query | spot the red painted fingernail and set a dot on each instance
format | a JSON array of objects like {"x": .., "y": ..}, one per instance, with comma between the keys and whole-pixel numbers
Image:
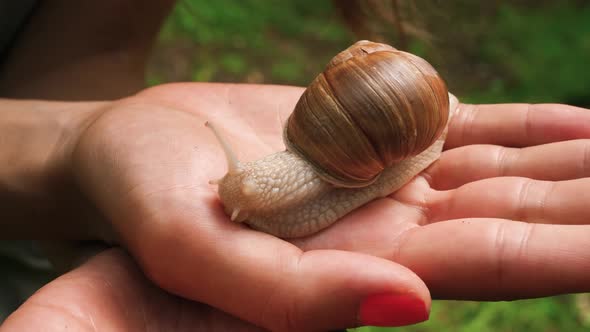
[{"x": 392, "y": 310}]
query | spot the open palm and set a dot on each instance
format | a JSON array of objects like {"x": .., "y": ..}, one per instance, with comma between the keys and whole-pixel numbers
[{"x": 146, "y": 162}]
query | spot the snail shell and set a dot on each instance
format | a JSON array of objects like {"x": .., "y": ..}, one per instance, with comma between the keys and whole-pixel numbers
[
  {"x": 373, "y": 106},
  {"x": 363, "y": 128}
]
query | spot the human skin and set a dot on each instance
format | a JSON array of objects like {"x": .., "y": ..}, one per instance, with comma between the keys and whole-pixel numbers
[
  {"x": 145, "y": 162},
  {"x": 473, "y": 197},
  {"x": 134, "y": 170},
  {"x": 109, "y": 293}
]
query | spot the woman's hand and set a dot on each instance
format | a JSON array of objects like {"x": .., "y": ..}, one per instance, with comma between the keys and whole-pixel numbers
[
  {"x": 504, "y": 214},
  {"x": 145, "y": 162}
]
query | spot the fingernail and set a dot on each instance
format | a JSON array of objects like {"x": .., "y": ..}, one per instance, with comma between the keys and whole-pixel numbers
[{"x": 392, "y": 310}]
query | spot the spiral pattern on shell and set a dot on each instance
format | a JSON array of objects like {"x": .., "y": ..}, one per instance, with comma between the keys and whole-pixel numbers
[{"x": 350, "y": 132}]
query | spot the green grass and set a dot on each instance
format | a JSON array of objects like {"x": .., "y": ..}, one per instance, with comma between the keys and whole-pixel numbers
[
  {"x": 531, "y": 53},
  {"x": 539, "y": 315},
  {"x": 544, "y": 55},
  {"x": 249, "y": 41}
]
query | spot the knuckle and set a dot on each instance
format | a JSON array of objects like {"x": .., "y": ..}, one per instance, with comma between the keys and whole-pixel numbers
[
  {"x": 585, "y": 168},
  {"x": 505, "y": 160},
  {"x": 510, "y": 247},
  {"x": 500, "y": 252},
  {"x": 281, "y": 309}
]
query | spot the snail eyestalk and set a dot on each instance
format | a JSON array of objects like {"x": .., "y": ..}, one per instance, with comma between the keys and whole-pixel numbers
[
  {"x": 230, "y": 156},
  {"x": 235, "y": 214}
]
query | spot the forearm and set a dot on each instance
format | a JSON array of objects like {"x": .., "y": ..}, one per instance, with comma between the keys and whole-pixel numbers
[
  {"x": 37, "y": 195},
  {"x": 82, "y": 50}
]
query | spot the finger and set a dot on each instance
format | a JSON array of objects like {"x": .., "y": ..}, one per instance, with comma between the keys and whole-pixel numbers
[
  {"x": 272, "y": 283},
  {"x": 564, "y": 202},
  {"x": 552, "y": 162},
  {"x": 477, "y": 259},
  {"x": 109, "y": 293},
  {"x": 517, "y": 125},
  {"x": 494, "y": 259}
]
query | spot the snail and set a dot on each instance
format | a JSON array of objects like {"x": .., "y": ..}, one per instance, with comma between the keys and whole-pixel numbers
[{"x": 371, "y": 121}]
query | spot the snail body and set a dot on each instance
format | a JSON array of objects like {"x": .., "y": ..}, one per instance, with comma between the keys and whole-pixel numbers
[{"x": 367, "y": 125}]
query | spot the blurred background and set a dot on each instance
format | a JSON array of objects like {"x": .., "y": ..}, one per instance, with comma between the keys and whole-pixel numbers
[{"x": 487, "y": 51}]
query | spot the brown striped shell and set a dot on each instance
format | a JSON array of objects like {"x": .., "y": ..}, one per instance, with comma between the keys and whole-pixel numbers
[{"x": 350, "y": 132}]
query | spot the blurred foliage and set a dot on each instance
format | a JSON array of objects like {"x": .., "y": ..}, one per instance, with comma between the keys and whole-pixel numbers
[
  {"x": 542, "y": 315},
  {"x": 526, "y": 51},
  {"x": 543, "y": 53},
  {"x": 247, "y": 41}
]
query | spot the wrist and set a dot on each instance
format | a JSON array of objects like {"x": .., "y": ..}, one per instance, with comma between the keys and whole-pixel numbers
[
  {"x": 39, "y": 197},
  {"x": 36, "y": 138}
]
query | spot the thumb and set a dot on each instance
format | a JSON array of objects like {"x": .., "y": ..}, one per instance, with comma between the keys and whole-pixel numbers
[
  {"x": 336, "y": 289},
  {"x": 273, "y": 284}
]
